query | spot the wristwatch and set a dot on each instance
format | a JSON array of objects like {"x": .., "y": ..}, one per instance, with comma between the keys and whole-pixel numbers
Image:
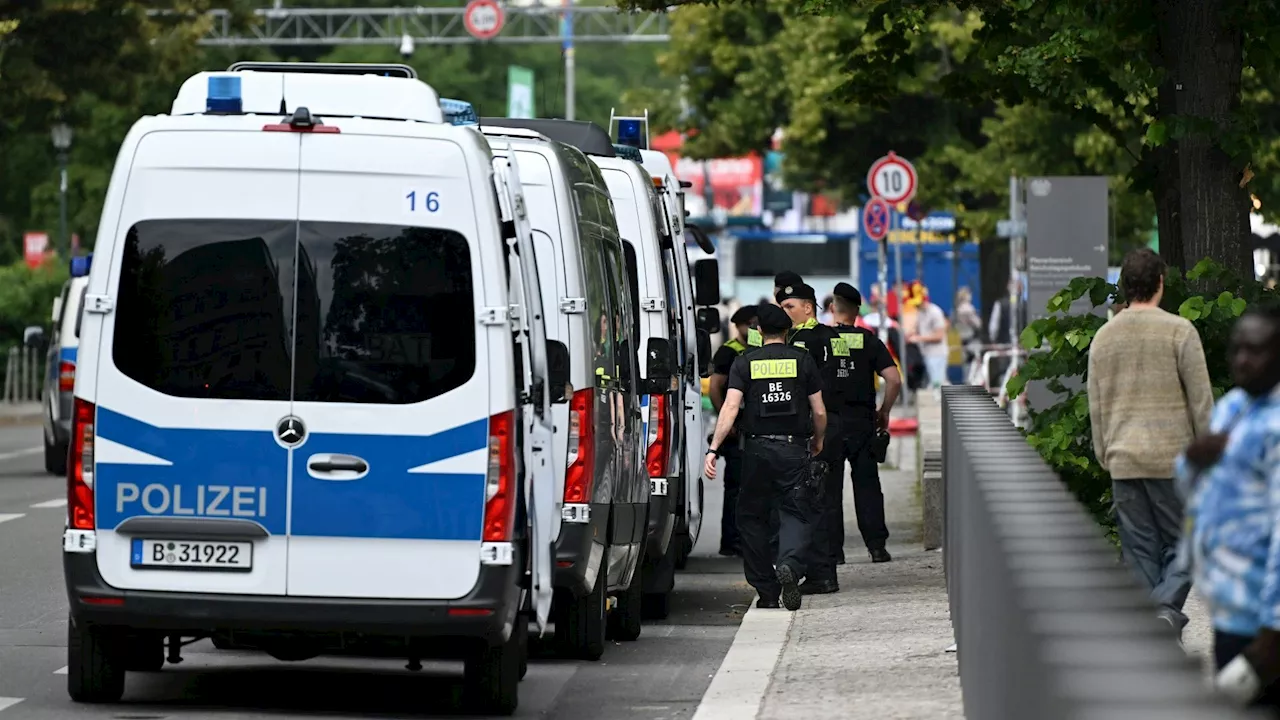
[{"x": 713, "y": 451}]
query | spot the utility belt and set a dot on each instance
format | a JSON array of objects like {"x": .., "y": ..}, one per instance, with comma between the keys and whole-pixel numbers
[{"x": 791, "y": 439}]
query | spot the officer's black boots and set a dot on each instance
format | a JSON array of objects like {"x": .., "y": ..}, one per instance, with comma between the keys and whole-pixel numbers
[
  {"x": 790, "y": 587},
  {"x": 769, "y": 604},
  {"x": 880, "y": 555}
]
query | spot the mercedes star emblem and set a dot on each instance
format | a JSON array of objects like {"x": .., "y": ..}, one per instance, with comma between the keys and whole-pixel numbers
[{"x": 291, "y": 431}]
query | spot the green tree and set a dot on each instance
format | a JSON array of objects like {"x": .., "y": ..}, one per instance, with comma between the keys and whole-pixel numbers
[{"x": 1162, "y": 78}]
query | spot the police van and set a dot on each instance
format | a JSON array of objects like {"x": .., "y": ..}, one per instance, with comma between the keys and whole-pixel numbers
[
  {"x": 652, "y": 272},
  {"x": 311, "y": 411},
  {"x": 60, "y": 364},
  {"x": 600, "y": 429}
]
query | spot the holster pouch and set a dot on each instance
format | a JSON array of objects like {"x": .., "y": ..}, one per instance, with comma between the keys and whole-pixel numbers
[
  {"x": 815, "y": 482},
  {"x": 880, "y": 446}
]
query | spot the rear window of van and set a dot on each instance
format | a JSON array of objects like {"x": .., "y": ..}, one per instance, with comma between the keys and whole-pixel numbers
[{"x": 313, "y": 311}]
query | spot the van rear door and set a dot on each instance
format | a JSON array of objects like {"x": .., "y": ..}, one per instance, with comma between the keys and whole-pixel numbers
[
  {"x": 189, "y": 327},
  {"x": 393, "y": 371}
]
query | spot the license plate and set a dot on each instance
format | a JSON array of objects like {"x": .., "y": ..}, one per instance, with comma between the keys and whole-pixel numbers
[{"x": 191, "y": 555}]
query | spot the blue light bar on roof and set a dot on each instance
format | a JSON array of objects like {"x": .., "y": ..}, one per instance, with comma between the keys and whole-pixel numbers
[
  {"x": 80, "y": 265},
  {"x": 628, "y": 152},
  {"x": 631, "y": 132},
  {"x": 224, "y": 95},
  {"x": 459, "y": 112}
]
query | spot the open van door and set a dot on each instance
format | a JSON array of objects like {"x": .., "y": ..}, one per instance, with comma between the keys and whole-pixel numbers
[{"x": 540, "y": 493}]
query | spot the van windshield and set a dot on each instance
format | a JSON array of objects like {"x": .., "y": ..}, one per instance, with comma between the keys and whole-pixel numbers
[{"x": 378, "y": 313}]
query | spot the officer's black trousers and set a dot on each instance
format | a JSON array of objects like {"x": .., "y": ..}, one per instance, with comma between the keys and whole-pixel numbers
[
  {"x": 773, "y": 506},
  {"x": 848, "y": 438},
  {"x": 730, "y": 540}
]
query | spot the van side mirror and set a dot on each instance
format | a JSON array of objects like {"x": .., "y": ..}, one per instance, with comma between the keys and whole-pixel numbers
[
  {"x": 33, "y": 337},
  {"x": 660, "y": 365},
  {"x": 700, "y": 237},
  {"x": 704, "y": 353},
  {"x": 706, "y": 276},
  {"x": 557, "y": 371},
  {"x": 708, "y": 318}
]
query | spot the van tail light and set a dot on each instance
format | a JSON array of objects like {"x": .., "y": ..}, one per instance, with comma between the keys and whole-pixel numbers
[
  {"x": 580, "y": 475},
  {"x": 80, "y": 469},
  {"x": 66, "y": 376},
  {"x": 500, "y": 483},
  {"x": 659, "y": 437}
]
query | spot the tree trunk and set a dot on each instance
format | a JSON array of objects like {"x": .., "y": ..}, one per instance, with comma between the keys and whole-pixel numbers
[
  {"x": 1166, "y": 190},
  {"x": 1204, "y": 56}
]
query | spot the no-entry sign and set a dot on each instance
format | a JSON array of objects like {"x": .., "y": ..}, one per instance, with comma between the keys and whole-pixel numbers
[{"x": 484, "y": 19}]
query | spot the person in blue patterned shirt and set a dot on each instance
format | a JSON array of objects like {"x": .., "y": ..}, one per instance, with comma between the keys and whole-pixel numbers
[{"x": 1231, "y": 478}]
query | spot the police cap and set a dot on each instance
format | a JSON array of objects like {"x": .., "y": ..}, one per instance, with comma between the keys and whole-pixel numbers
[
  {"x": 799, "y": 291},
  {"x": 850, "y": 293},
  {"x": 773, "y": 320},
  {"x": 745, "y": 315},
  {"x": 787, "y": 277}
]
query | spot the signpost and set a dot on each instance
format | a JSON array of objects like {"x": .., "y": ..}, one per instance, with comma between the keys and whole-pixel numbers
[
  {"x": 483, "y": 19},
  {"x": 519, "y": 92},
  {"x": 34, "y": 246},
  {"x": 877, "y": 217},
  {"x": 892, "y": 178}
]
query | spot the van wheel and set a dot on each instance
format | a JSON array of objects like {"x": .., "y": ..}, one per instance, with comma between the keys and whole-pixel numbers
[
  {"x": 681, "y": 553},
  {"x": 55, "y": 458},
  {"x": 144, "y": 653},
  {"x": 580, "y": 621},
  {"x": 95, "y": 664},
  {"x": 492, "y": 674},
  {"x": 624, "y": 620}
]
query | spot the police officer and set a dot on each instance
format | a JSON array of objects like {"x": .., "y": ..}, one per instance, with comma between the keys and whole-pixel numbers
[
  {"x": 784, "y": 279},
  {"x": 858, "y": 359},
  {"x": 744, "y": 322},
  {"x": 777, "y": 392}
]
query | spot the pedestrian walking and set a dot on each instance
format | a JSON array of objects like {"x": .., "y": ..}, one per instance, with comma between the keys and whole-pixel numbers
[
  {"x": 1149, "y": 395},
  {"x": 858, "y": 356},
  {"x": 744, "y": 322},
  {"x": 931, "y": 337},
  {"x": 1231, "y": 477},
  {"x": 969, "y": 326},
  {"x": 777, "y": 393}
]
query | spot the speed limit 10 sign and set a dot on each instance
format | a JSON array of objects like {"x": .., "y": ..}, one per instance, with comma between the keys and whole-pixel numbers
[{"x": 892, "y": 178}]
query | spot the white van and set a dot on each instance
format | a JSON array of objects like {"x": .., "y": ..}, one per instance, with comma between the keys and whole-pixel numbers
[
  {"x": 300, "y": 419},
  {"x": 601, "y": 431}
]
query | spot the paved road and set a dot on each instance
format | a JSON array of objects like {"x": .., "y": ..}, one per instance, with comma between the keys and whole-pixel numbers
[{"x": 662, "y": 676}]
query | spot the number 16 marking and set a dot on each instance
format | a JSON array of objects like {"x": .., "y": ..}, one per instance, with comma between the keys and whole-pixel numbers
[{"x": 430, "y": 201}]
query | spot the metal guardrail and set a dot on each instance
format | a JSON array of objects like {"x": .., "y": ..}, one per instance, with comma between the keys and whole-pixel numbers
[
  {"x": 1049, "y": 626},
  {"x": 23, "y": 375}
]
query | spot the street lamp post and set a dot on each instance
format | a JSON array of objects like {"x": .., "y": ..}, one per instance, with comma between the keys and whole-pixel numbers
[{"x": 62, "y": 135}]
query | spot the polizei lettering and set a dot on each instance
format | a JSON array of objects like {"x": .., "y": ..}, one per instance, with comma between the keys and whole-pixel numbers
[{"x": 200, "y": 501}]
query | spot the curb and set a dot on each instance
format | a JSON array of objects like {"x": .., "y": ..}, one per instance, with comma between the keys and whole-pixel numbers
[
  {"x": 737, "y": 691},
  {"x": 25, "y": 418}
]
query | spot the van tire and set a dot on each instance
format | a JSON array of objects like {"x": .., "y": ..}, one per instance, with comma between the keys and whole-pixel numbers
[
  {"x": 95, "y": 664},
  {"x": 581, "y": 621},
  {"x": 144, "y": 653},
  {"x": 55, "y": 458},
  {"x": 624, "y": 620},
  {"x": 492, "y": 674}
]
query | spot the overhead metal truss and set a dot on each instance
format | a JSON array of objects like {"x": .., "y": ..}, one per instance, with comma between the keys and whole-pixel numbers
[{"x": 431, "y": 26}]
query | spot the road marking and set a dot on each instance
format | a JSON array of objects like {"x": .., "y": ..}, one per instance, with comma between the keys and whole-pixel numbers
[
  {"x": 8, "y": 702},
  {"x": 738, "y": 688},
  {"x": 20, "y": 453},
  {"x": 6, "y": 517},
  {"x": 55, "y": 503},
  {"x": 61, "y": 671}
]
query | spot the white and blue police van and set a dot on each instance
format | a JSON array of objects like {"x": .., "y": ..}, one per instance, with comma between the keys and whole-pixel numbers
[
  {"x": 600, "y": 427},
  {"x": 60, "y": 364},
  {"x": 311, "y": 408}
]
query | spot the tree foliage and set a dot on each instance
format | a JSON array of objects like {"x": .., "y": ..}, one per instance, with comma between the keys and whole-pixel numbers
[{"x": 1182, "y": 123}]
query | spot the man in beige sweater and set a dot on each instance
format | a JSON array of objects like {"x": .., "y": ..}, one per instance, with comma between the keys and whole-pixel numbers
[{"x": 1149, "y": 395}]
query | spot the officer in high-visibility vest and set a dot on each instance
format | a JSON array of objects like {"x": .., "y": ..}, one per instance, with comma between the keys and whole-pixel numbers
[
  {"x": 859, "y": 358},
  {"x": 776, "y": 391},
  {"x": 746, "y": 335}
]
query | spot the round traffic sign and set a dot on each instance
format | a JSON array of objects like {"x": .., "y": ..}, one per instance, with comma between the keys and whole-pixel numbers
[
  {"x": 892, "y": 178},
  {"x": 876, "y": 218},
  {"x": 483, "y": 18}
]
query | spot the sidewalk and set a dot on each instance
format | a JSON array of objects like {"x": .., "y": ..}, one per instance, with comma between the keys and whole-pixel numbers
[
  {"x": 20, "y": 414},
  {"x": 876, "y": 649}
]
